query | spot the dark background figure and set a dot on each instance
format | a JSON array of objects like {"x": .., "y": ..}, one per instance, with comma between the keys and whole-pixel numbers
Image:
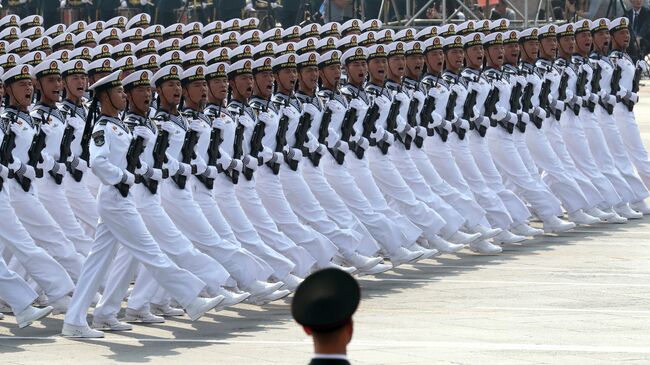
[
  {"x": 501, "y": 10},
  {"x": 106, "y": 8},
  {"x": 229, "y": 9},
  {"x": 639, "y": 17}
]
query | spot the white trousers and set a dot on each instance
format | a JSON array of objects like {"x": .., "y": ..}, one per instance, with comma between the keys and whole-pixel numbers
[
  {"x": 631, "y": 136},
  {"x": 120, "y": 223},
  {"x": 507, "y": 159},
  {"x": 14, "y": 290},
  {"x": 335, "y": 208},
  {"x": 82, "y": 202},
  {"x": 269, "y": 189}
]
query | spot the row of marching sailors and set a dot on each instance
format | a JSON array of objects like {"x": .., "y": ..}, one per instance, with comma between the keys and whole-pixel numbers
[{"x": 405, "y": 168}]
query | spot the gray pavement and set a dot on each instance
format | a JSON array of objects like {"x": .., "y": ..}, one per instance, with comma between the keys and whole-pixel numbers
[{"x": 579, "y": 298}]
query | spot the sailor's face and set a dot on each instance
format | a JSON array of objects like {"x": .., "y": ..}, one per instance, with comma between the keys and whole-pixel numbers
[
  {"x": 264, "y": 81},
  {"x": 415, "y": 65},
  {"x": 602, "y": 40},
  {"x": 357, "y": 71},
  {"x": 377, "y": 68},
  {"x": 287, "y": 78},
  {"x": 495, "y": 54},
  {"x": 454, "y": 58},
  {"x": 332, "y": 74},
  {"x": 583, "y": 42},
  {"x": 171, "y": 91},
  {"x": 548, "y": 47},
  {"x": 243, "y": 84},
  {"x": 118, "y": 97},
  {"x": 76, "y": 84},
  {"x": 22, "y": 92},
  {"x": 2, "y": 90},
  {"x": 197, "y": 91},
  {"x": 531, "y": 48},
  {"x": 140, "y": 97},
  {"x": 435, "y": 60},
  {"x": 397, "y": 65},
  {"x": 50, "y": 87},
  {"x": 218, "y": 87},
  {"x": 622, "y": 38},
  {"x": 474, "y": 56},
  {"x": 511, "y": 53},
  {"x": 309, "y": 77},
  {"x": 568, "y": 45}
]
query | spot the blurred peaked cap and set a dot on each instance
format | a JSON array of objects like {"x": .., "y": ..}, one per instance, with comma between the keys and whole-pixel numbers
[
  {"x": 414, "y": 48},
  {"x": 54, "y": 30},
  {"x": 141, "y": 20},
  {"x": 334, "y": 57},
  {"x": 352, "y": 25},
  {"x": 240, "y": 67},
  {"x": 10, "y": 34},
  {"x": 150, "y": 46},
  {"x": 405, "y": 35},
  {"x": 447, "y": 30},
  {"x": 291, "y": 33},
  {"x": 230, "y": 39},
  {"x": 466, "y": 27},
  {"x": 499, "y": 25},
  {"x": 310, "y": 30},
  {"x": 331, "y": 29},
  {"x": 583, "y": 25},
  {"x": 116, "y": 22},
  {"x": 309, "y": 59},
  {"x": 220, "y": 54},
  {"x": 433, "y": 43},
  {"x": 32, "y": 33},
  {"x": 173, "y": 31},
  {"x": 493, "y": 39},
  {"x": 510, "y": 36},
  {"x": 232, "y": 24},
  {"x": 30, "y": 21},
  {"x": 565, "y": 30},
  {"x": 19, "y": 45},
  {"x": 285, "y": 48},
  {"x": 43, "y": 43},
  {"x": 8, "y": 61},
  {"x": 366, "y": 39},
  {"x": 166, "y": 73},
  {"x": 194, "y": 58},
  {"x": 152, "y": 31},
  {"x": 452, "y": 42},
  {"x": 306, "y": 45},
  {"x": 546, "y": 31},
  {"x": 474, "y": 39},
  {"x": 149, "y": 62},
  {"x": 9, "y": 20},
  {"x": 102, "y": 51},
  {"x": 101, "y": 65},
  {"x": 371, "y": 25},
  {"x": 76, "y": 27},
  {"x": 211, "y": 41},
  {"x": 618, "y": 24},
  {"x": 32, "y": 58},
  {"x": 126, "y": 63},
  {"x": 84, "y": 38},
  {"x": 47, "y": 68},
  {"x": 216, "y": 70},
  {"x": 190, "y": 43},
  {"x": 123, "y": 49},
  {"x": 326, "y": 44},
  {"x": 168, "y": 45},
  {"x": 355, "y": 54},
  {"x": 250, "y": 37},
  {"x": 17, "y": 73},
  {"x": 171, "y": 58},
  {"x": 395, "y": 49},
  {"x": 109, "y": 35},
  {"x": 133, "y": 35},
  {"x": 375, "y": 51},
  {"x": 193, "y": 28},
  {"x": 96, "y": 26},
  {"x": 326, "y": 300},
  {"x": 107, "y": 82},
  {"x": 264, "y": 49},
  {"x": 272, "y": 35},
  {"x": 427, "y": 33},
  {"x": 214, "y": 27},
  {"x": 528, "y": 34},
  {"x": 347, "y": 42},
  {"x": 62, "y": 55},
  {"x": 74, "y": 67},
  {"x": 284, "y": 61},
  {"x": 248, "y": 24},
  {"x": 599, "y": 24},
  {"x": 482, "y": 25},
  {"x": 384, "y": 36},
  {"x": 240, "y": 53},
  {"x": 194, "y": 73}
]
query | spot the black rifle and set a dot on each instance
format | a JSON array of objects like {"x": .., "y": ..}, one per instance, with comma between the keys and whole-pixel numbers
[
  {"x": 187, "y": 154},
  {"x": 543, "y": 97},
  {"x": 468, "y": 107},
  {"x": 280, "y": 141},
  {"x": 132, "y": 162},
  {"x": 426, "y": 114},
  {"x": 449, "y": 115},
  {"x": 159, "y": 157},
  {"x": 256, "y": 146},
  {"x": 412, "y": 121},
  {"x": 581, "y": 89},
  {"x": 347, "y": 129},
  {"x": 238, "y": 150},
  {"x": 615, "y": 87},
  {"x": 368, "y": 127},
  {"x": 64, "y": 152},
  {"x": 85, "y": 145},
  {"x": 213, "y": 156},
  {"x": 564, "y": 83},
  {"x": 516, "y": 105},
  {"x": 391, "y": 124},
  {"x": 323, "y": 132},
  {"x": 637, "y": 80},
  {"x": 34, "y": 154},
  {"x": 6, "y": 149},
  {"x": 527, "y": 105},
  {"x": 490, "y": 107},
  {"x": 595, "y": 85},
  {"x": 301, "y": 137}
]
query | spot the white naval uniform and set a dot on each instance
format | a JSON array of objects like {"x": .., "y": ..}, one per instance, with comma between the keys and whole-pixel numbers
[
  {"x": 82, "y": 201},
  {"x": 35, "y": 261},
  {"x": 29, "y": 209},
  {"x": 120, "y": 223},
  {"x": 271, "y": 189},
  {"x": 225, "y": 197},
  {"x": 385, "y": 231},
  {"x": 506, "y": 157},
  {"x": 51, "y": 194},
  {"x": 621, "y": 159},
  {"x": 171, "y": 241},
  {"x": 14, "y": 290},
  {"x": 626, "y": 120},
  {"x": 189, "y": 214},
  {"x": 556, "y": 177}
]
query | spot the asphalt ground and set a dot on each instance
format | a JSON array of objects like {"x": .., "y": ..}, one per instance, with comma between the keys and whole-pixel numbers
[{"x": 580, "y": 298}]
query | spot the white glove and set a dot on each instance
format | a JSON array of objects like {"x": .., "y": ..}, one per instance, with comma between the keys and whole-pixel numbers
[
  {"x": 184, "y": 169},
  {"x": 401, "y": 125},
  {"x": 410, "y": 131},
  {"x": 421, "y": 131},
  {"x": 142, "y": 169},
  {"x": 540, "y": 113},
  {"x": 401, "y": 97},
  {"x": 14, "y": 165},
  {"x": 499, "y": 113},
  {"x": 388, "y": 138},
  {"x": 200, "y": 165},
  {"x": 210, "y": 172},
  {"x": 265, "y": 117},
  {"x": 59, "y": 168},
  {"x": 197, "y": 125},
  {"x": 310, "y": 109},
  {"x": 14, "y": 127},
  {"x": 154, "y": 174},
  {"x": 144, "y": 132},
  {"x": 434, "y": 91},
  {"x": 476, "y": 113},
  {"x": 26, "y": 171},
  {"x": 293, "y": 153},
  {"x": 250, "y": 162},
  {"x": 511, "y": 118},
  {"x": 127, "y": 178},
  {"x": 172, "y": 166},
  {"x": 569, "y": 95},
  {"x": 484, "y": 121},
  {"x": 47, "y": 128},
  {"x": 643, "y": 65},
  {"x": 631, "y": 96},
  {"x": 593, "y": 98},
  {"x": 525, "y": 118},
  {"x": 266, "y": 154},
  {"x": 607, "y": 98},
  {"x": 342, "y": 146},
  {"x": 277, "y": 157},
  {"x": 78, "y": 164},
  {"x": 378, "y": 134},
  {"x": 312, "y": 145},
  {"x": 462, "y": 123},
  {"x": 357, "y": 104},
  {"x": 76, "y": 123},
  {"x": 436, "y": 120},
  {"x": 332, "y": 137},
  {"x": 48, "y": 162},
  {"x": 363, "y": 143},
  {"x": 224, "y": 159},
  {"x": 169, "y": 126}
]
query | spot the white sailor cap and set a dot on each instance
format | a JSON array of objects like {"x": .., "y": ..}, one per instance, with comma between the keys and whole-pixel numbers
[
  {"x": 248, "y": 24},
  {"x": 240, "y": 53},
  {"x": 19, "y": 46},
  {"x": 263, "y": 50},
  {"x": 210, "y": 42},
  {"x": 230, "y": 39},
  {"x": 285, "y": 48},
  {"x": 32, "y": 58},
  {"x": 452, "y": 42},
  {"x": 103, "y": 65},
  {"x": 264, "y": 64},
  {"x": 499, "y": 25},
  {"x": 173, "y": 31},
  {"x": 63, "y": 40},
  {"x": 333, "y": 58},
  {"x": 309, "y": 59},
  {"x": 125, "y": 64},
  {"x": 583, "y": 25},
  {"x": 17, "y": 73},
  {"x": 326, "y": 44},
  {"x": 474, "y": 39},
  {"x": 371, "y": 25},
  {"x": 214, "y": 27},
  {"x": 231, "y": 25},
  {"x": 251, "y": 37},
  {"x": 433, "y": 43},
  {"x": 192, "y": 43},
  {"x": 240, "y": 67},
  {"x": 565, "y": 30},
  {"x": 197, "y": 57},
  {"x": 599, "y": 24},
  {"x": 62, "y": 55},
  {"x": 147, "y": 47},
  {"x": 546, "y": 31},
  {"x": 153, "y": 32},
  {"x": 116, "y": 22},
  {"x": 10, "y": 34},
  {"x": 166, "y": 73},
  {"x": 405, "y": 35},
  {"x": 285, "y": 61},
  {"x": 618, "y": 24},
  {"x": 141, "y": 20},
  {"x": 374, "y": 51},
  {"x": 76, "y": 67},
  {"x": 41, "y": 44},
  {"x": 413, "y": 48},
  {"x": 148, "y": 62},
  {"x": 493, "y": 39},
  {"x": 352, "y": 26},
  {"x": 331, "y": 29},
  {"x": 83, "y": 53},
  {"x": 482, "y": 26},
  {"x": 366, "y": 39},
  {"x": 109, "y": 35},
  {"x": 171, "y": 58},
  {"x": 510, "y": 36},
  {"x": 466, "y": 27},
  {"x": 3, "y": 47},
  {"x": 32, "y": 33},
  {"x": 447, "y": 30},
  {"x": 216, "y": 70},
  {"x": 427, "y": 33},
  {"x": 54, "y": 30},
  {"x": 347, "y": 42},
  {"x": 395, "y": 49},
  {"x": 354, "y": 54},
  {"x": 306, "y": 45},
  {"x": 9, "y": 60},
  {"x": 168, "y": 45},
  {"x": 133, "y": 35},
  {"x": 194, "y": 73},
  {"x": 76, "y": 27},
  {"x": 137, "y": 79},
  {"x": 107, "y": 82},
  {"x": 291, "y": 33},
  {"x": 310, "y": 30},
  {"x": 528, "y": 34},
  {"x": 9, "y": 20},
  {"x": 47, "y": 68},
  {"x": 102, "y": 51},
  {"x": 122, "y": 50},
  {"x": 96, "y": 26},
  {"x": 30, "y": 22},
  {"x": 384, "y": 36},
  {"x": 220, "y": 54},
  {"x": 193, "y": 28},
  {"x": 85, "y": 38},
  {"x": 272, "y": 35}
]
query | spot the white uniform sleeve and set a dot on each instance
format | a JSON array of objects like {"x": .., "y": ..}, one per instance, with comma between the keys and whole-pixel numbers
[{"x": 100, "y": 149}]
